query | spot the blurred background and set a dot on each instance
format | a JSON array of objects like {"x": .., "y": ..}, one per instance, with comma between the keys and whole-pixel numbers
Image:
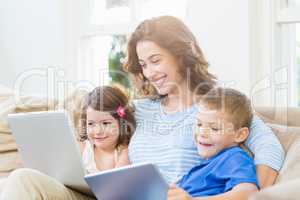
[{"x": 51, "y": 47}]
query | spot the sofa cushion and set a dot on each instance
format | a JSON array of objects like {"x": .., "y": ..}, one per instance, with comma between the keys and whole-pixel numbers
[
  {"x": 290, "y": 140},
  {"x": 7, "y": 143},
  {"x": 9, "y": 157},
  {"x": 286, "y": 135},
  {"x": 288, "y": 116},
  {"x": 281, "y": 191},
  {"x": 9, "y": 161}
]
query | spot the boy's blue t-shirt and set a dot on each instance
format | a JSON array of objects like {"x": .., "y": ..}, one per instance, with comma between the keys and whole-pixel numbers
[{"x": 220, "y": 173}]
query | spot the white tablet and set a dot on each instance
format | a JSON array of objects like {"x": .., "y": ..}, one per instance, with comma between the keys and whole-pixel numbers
[{"x": 135, "y": 182}]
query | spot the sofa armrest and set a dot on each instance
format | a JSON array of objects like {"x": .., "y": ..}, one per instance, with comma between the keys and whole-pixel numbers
[
  {"x": 288, "y": 190},
  {"x": 287, "y": 116}
]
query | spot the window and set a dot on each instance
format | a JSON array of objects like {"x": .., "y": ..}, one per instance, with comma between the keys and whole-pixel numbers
[
  {"x": 151, "y": 8},
  {"x": 109, "y": 12},
  {"x": 293, "y": 3},
  {"x": 274, "y": 53},
  {"x": 289, "y": 19},
  {"x": 103, "y": 27}
]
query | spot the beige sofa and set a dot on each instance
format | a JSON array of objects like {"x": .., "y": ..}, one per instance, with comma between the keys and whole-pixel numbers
[
  {"x": 284, "y": 122},
  {"x": 9, "y": 157}
]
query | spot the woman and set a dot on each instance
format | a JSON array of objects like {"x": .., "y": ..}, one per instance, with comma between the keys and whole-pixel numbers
[{"x": 162, "y": 52}]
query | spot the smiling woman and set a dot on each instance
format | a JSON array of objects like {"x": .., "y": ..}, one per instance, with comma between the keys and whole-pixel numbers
[
  {"x": 158, "y": 67},
  {"x": 163, "y": 53},
  {"x": 177, "y": 48}
]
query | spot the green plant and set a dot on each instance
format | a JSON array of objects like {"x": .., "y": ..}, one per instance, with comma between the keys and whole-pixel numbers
[{"x": 116, "y": 57}]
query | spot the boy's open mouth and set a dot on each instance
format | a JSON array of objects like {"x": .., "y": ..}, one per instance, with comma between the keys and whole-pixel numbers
[{"x": 205, "y": 144}]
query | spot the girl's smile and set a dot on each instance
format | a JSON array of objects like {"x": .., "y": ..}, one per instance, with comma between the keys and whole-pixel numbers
[{"x": 102, "y": 129}]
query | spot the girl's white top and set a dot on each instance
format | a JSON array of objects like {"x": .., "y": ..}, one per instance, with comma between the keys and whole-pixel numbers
[{"x": 88, "y": 158}]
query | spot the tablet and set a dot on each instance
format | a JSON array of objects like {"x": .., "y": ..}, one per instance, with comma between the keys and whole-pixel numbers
[{"x": 134, "y": 182}]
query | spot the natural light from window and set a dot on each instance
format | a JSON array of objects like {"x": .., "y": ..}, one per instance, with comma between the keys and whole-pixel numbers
[
  {"x": 106, "y": 22},
  {"x": 152, "y": 8},
  {"x": 109, "y": 12},
  {"x": 293, "y": 3},
  {"x": 95, "y": 56}
]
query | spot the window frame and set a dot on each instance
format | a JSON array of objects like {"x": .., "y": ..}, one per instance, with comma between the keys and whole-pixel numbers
[
  {"x": 79, "y": 30},
  {"x": 272, "y": 61},
  {"x": 288, "y": 16}
]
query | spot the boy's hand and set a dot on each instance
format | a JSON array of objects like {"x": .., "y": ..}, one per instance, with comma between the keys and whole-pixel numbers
[{"x": 176, "y": 193}]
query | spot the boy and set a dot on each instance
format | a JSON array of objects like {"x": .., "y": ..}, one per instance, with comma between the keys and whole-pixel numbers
[{"x": 227, "y": 172}]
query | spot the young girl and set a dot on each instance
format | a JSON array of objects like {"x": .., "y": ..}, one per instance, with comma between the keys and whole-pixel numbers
[{"x": 107, "y": 123}]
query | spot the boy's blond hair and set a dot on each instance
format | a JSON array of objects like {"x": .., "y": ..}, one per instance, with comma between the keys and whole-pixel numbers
[{"x": 234, "y": 104}]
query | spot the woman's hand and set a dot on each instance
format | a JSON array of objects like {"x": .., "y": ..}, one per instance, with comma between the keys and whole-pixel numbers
[{"x": 176, "y": 193}]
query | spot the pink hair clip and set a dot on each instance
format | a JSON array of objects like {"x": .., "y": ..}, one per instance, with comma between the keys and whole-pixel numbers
[{"x": 121, "y": 111}]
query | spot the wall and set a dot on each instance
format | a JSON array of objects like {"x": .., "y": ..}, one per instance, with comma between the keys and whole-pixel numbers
[
  {"x": 35, "y": 35},
  {"x": 222, "y": 29},
  {"x": 31, "y": 39}
]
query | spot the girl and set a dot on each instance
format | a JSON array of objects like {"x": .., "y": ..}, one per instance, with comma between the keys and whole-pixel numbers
[{"x": 107, "y": 123}]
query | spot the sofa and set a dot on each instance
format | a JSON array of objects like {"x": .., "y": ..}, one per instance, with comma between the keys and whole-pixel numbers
[
  {"x": 285, "y": 123},
  {"x": 9, "y": 156}
]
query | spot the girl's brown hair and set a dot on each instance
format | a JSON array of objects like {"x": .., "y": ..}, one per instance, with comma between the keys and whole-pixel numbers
[
  {"x": 108, "y": 99},
  {"x": 172, "y": 34}
]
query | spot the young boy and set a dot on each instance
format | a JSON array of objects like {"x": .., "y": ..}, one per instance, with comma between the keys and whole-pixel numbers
[{"x": 227, "y": 172}]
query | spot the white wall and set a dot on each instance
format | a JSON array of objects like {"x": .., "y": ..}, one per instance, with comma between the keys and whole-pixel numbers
[
  {"x": 31, "y": 37},
  {"x": 34, "y": 34},
  {"x": 222, "y": 29}
]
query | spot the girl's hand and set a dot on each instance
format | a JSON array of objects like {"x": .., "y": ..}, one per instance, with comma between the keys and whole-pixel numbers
[{"x": 176, "y": 193}]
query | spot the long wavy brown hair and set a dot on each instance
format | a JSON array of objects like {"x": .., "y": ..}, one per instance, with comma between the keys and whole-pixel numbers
[
  {"x": 173, "y": 35},
  {"x": 108, "y": 99}
]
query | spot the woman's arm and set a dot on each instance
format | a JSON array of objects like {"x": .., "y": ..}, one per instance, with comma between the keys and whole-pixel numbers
[
  {"x": 267, "y": 150},
  {"x": 266, "y": 176}
]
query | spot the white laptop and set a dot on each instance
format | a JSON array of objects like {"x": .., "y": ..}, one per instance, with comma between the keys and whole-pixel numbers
[{"x": 46, "y": 142}]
